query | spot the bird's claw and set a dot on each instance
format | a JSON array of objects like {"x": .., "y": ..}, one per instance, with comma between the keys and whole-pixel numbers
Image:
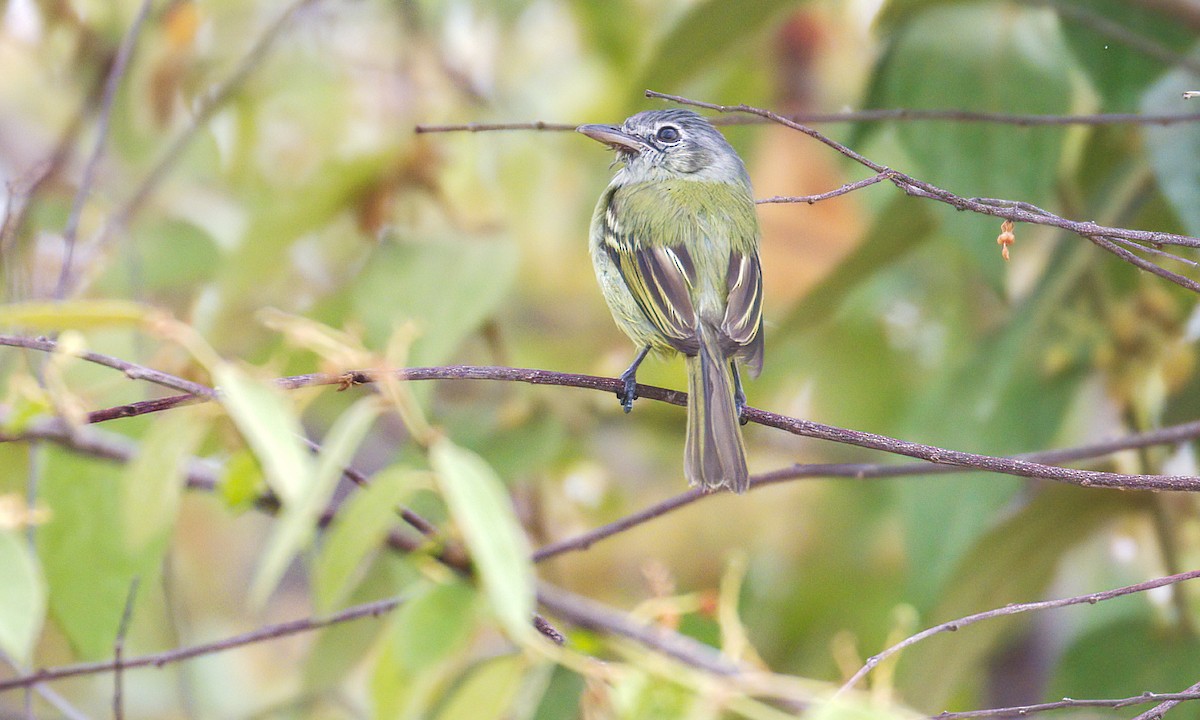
[{"x": 628, "y": 393}]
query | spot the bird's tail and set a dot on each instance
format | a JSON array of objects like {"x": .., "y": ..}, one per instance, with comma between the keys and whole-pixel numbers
[{"x": 714, "y": 455}]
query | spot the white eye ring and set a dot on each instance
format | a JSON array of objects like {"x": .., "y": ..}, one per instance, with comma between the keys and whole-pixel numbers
[{"x": 667, "y": 134}]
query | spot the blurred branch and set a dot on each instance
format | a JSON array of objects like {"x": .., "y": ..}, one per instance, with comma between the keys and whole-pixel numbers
[
  {"x": 119, "y": 651},
  {"x": 158, "y": 660},
  {"x": 854, "y": 116},
  {"x": 1184, "y": 11},
  {"x": 133, "y": 371},
  {"x": 206, "y": 108},
  {"x": 1120, "y": 34},
  {"x": 1015, "y": 211},
  {"x": 587, "y": 613},
  {"x": 1020, "y": 710},
  {"x": 955, "y": 625},
  {"x": 116, "y": 72}
]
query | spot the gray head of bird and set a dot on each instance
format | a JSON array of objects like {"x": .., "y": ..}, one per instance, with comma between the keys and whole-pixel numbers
[{"x": 663, "y": 144}]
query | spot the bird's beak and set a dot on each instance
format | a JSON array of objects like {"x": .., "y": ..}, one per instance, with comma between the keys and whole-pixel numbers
[{"x": 614, "y": 137}]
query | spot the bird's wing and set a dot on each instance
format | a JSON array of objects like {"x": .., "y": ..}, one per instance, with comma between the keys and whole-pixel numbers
[
  {"x": 742, "y": 324},
  {"x": 660, "y": 279}
]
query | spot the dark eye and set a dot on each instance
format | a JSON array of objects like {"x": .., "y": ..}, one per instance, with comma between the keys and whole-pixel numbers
[{"x": 667, "y": 134}]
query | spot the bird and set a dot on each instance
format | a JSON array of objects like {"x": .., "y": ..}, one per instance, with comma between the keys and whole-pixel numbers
[{"x": 674, "y": 242}]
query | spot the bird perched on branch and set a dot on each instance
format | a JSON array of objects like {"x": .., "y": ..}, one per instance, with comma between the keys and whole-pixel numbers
[{"x": 674, "y": 241}]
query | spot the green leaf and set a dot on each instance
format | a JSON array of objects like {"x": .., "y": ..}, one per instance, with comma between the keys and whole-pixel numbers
[
  {"x": 433, "y": 624},
  {"x": 412, "y": 277},
  {"x": 480, "y": 506},
  {"x": 340, "y": 648},
  {"x": 271, "y": 429},
  {"x": 1128, "y": 657},
  {"x": 360, "y": 526},
  {"x": 1013, "y": 562},
  {"x": 22, "y": 597},
  {"x": 989, "y": 57},
  {"x": 488, "y": 690},
  {"x": 82, "y": 550},
  {"x": 1174, "y": 149},
  {"x": 152, "y": 484},
  {"x": 705, "y": 36},
  {"x": 72, "y": 314},
  {"x": 1000, "y": 400},
  {"x": 297, "y": 521},
  {"x": 242, "y": 481}
]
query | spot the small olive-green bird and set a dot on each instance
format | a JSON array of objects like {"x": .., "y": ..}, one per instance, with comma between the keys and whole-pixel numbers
[{"x": 674, "y": 241}]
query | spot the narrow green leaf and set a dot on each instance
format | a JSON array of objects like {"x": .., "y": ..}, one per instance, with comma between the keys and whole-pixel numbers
[
  {"x": 411, "y": 275},
  {"x": 82, "y": 550},
  {"x": 488, "y": 690},
  {"x": 704, "y": 37},
  {"x": 480, "y": 506},
  {"x": 74, "y": 314},
  {"x": 360, "y": 526},
  {"x": 153, "y": 482},
  {"x": 270, "y": 428},
  {"x": 433, "y": 624},
  {"x": 297, "y": 521},
  {"x": 22, "y": 597}
]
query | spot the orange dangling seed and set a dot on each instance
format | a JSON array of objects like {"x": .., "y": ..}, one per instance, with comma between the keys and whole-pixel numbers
[{"x": 1006, "y": 238}]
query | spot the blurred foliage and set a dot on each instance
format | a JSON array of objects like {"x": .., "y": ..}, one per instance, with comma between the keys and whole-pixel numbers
[{"x": 306, "y": 194}]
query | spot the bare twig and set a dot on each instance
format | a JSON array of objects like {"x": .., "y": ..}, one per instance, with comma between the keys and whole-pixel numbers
[
  {"x": 1156, "y": 712},
  {"x": 855, "y": 116},
  {"x": 796, "y": 426},
  {"x": 204, "y": 111},
  {"x": 115, "y": 73},
  {"x": 587, "y": 613},
  {"x": 119, "y": 651},
  {"x": 158, "y": 660},
  {"x": 810, "y": 199},
  {"x": 1022, "y": 710},
  {"x": 133, "y": 371},
  {"x": 1121, "y": 34},
  {"x": 954, "y": 625},
  {"x": 1009, "y": 210},
  {"x": 861, "y": 471}
]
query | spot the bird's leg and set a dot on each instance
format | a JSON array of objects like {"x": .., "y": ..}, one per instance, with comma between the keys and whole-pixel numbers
[
  {"x": 628, "y": 393},
  {"x": 739, "y": 395}
]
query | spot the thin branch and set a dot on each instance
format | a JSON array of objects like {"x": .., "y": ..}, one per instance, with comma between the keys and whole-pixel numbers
[
  {"x": 587, "y": 613},
  {"x": 133, "y": 371},
  {"x": 158, "y": 660},
  {"x": 1156, "y": 712},
  {"x": 810, "y": 199},
  {"x": 115, "y": 74},
  {"x": 954, "y": 625},
  {"x": 795, "y": 426},
  {"x": 119, "y": 651},
  {"x": 1121, "y": 34},
  {"x": 1005, "y": 209},
  {"x": 862, "y": 471},
  {"x": 207, "y": 107},
  {"x": 855, "y": 116},
  {"x": 1020, "y": 710}
]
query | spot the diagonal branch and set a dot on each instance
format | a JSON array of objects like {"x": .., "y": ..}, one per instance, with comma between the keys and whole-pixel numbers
[
  {"x": 1006, "y": 209},
  {"x": 1022, "y": 710},
  {"x": 115, "y": 73},
  {"x": 954, "y": 625},
  {"x": 158, "y": 660}
]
